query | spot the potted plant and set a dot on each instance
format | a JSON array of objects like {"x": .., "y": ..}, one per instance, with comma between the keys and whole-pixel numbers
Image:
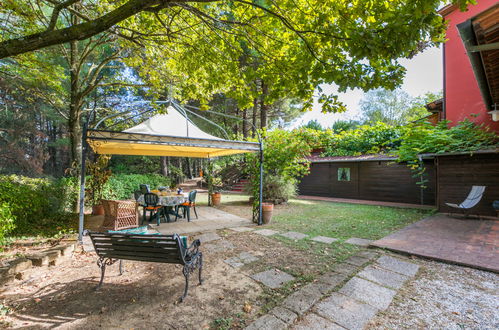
[
  {"x": 267, "y": 211},
  {"x": 216, "y": 197},
  {"x": 99, "y": 176}
]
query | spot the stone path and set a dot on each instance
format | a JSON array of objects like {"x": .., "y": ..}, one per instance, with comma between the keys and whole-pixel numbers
[
  {"x": 324, "y": 239},
  {"x": 330, "y": 303},
  {"x": 359, "y": 241},
  {"x": 273, "y": 278},
  {"x": 242, "y": 259},
  {"x": 242, "y": 229},
  {"x": 294, "y": 235},
  {"x": 266, "y": 232}
]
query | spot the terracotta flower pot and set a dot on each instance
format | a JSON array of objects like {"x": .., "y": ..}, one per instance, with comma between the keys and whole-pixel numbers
[
  {"x": 267, "y": 211},
  {"x": 215, "y": 199},
  {"x": 98, "y": 209}
]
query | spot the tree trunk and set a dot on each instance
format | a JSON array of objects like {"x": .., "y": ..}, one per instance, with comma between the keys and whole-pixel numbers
[
  {"x": 164, "y": 165},
  {"x": 188, "y": 164},
  {"x": 255, "y": 111},
  {"x": 245, "y": 123},
  {"x": 263, "y": 106}
]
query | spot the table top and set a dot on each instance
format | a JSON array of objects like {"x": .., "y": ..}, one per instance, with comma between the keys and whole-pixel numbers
[{"x": 169, "y": 200}]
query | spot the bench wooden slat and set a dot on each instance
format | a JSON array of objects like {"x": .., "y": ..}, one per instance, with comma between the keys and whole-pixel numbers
[
  {"x": 149, "y": 258},
  {"x": 159, "y": 253},
  {"x": 132, "y": 239},
  {"x": 145, "y": 236},
  {"x": 137, "y": 245}
]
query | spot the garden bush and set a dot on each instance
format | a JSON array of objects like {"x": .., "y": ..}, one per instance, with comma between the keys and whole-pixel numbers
[
  {"x": 276, "y": 188},
  {"x": 6, "y": 221},
  {"x": 122, "y": 186},
  {"x": 33, "y": 203}
]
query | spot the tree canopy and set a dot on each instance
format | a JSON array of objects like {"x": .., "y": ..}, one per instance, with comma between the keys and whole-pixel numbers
[{"x": 208, "y": 46}]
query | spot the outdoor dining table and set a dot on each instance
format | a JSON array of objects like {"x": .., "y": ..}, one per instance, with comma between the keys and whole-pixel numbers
[{"x": 169, "y": 202}]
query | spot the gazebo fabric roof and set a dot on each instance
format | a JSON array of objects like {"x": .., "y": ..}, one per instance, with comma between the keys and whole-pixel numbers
[{"x": 169, "y": 134}]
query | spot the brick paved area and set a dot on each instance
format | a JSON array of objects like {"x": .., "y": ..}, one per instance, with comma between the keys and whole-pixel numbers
[{"x": 468, "y": 242}]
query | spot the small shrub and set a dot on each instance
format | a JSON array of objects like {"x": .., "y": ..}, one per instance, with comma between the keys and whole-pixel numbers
[
  {"x": 6, "y": 221},
  {"x": 278, "y": 188}
]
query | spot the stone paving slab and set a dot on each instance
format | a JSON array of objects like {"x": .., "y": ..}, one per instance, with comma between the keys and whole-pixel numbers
[
  {"x": 303, "y": 299},
  {"x": 345, "y": 311},
  {"x": 359, "y": 241},
  {"x": 272, "y": 278},
  {"x": 294, "y": 235},
  {"x": 267, "y": 322},
  {"x": 397, "y": 265},
  {"x": 208, "y": 237},
  {"x": 220, "y": 246},
  {"x": 242, "y": 259},
  {"x": 383, "y": 277},
  {"x": 324, "y": 239},
  {"x": 333, "y": 279},
  {"x": 284, "y": 314},
  {"x": 357, "y": 261},
  {"x": 247, "y": 257},
  {"x": 368, "y": 292},
  {"x": 345, "y": 268},
  {"x": 368, "y": 254},
  {"x": 234, "y": 262},
  {"x": 266, "y": 232},
  {"x": 242, "y": 229},
  {"x": 314, "y": 322}
]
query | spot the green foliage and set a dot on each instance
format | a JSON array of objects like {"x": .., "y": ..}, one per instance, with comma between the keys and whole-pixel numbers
[
  {"x": 313, "y": 124},
  {"x": 366, "y": 139},
  {"x": 37, "y": 205},
  {"x": 122, "y": 186},
  {"x": 425, "y": 138},
  {"x": 284, "y": 157},
  {"x": 344, "y": 125},
  {"x": 276, "y": 187},
  {"x": 7, "y": 221},
  {"x": 394, "y": 107}
]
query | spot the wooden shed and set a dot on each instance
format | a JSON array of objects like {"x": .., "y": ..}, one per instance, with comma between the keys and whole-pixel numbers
[
  {"x": 369, "y": 177},
  {"x": 458, "y": 172}
]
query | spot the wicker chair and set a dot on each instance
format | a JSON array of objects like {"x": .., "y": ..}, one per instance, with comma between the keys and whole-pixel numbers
[{"x": 120, "y": 214}]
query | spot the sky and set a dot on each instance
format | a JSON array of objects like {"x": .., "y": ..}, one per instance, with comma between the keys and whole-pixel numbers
[{"x": 424, "y": 74}]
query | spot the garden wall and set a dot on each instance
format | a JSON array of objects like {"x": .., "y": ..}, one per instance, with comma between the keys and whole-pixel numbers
[
  {"x": 376, "y": 180},
  {"x": 456, "y": 175}
]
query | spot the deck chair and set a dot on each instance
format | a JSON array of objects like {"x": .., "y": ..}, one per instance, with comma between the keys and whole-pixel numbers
[{"x": 472, "y": 200}]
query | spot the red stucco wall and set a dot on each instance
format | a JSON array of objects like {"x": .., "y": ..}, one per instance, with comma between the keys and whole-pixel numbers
[{"x": 462, "y": 95}]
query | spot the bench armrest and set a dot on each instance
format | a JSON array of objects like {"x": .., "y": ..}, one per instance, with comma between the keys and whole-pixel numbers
[{"x": 192, "y": 250}]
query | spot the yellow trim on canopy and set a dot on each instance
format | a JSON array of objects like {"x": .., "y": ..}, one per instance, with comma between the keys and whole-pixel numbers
[{"x": 133, "y": 148}]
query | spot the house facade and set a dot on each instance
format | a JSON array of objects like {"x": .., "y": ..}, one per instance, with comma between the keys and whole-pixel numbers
[{"x": 471, "y": 63}]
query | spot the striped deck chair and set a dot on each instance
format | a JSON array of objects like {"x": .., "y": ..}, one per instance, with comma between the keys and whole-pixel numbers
[{"x": 472, "y": 200}]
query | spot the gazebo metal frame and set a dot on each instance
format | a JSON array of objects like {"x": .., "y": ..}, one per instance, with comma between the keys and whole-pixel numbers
[{"x": 102, "y": 136}]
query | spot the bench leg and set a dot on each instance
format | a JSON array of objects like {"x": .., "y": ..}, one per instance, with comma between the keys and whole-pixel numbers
[
  {"x": 121, "y": 267},
  {"x": 186, "y": 272},
  {"x": 200, "y": 267},
  {"x": 102, "y": 265}
]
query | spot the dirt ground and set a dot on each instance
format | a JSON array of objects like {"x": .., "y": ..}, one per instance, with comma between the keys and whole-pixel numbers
[{"x": 145, "y": 296}]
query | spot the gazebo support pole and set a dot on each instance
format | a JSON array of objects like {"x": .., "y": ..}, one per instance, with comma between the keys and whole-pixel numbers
[
  {"x": 82, "y": 182},
  {"x": 260, "y": 214}
]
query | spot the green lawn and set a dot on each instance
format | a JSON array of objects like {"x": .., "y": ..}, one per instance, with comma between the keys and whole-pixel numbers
[{"x": 342, "y": 220}]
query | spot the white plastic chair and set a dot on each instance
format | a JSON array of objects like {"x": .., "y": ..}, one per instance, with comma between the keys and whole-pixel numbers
[{"x": 473, "y": 199}]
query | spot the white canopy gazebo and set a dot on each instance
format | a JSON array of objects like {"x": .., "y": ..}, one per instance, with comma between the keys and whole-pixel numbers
[{"x": 169, "y": 134}]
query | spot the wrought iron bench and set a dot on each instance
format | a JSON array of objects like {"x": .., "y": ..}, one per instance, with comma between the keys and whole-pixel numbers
[{"x": 111, "y": 247}]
